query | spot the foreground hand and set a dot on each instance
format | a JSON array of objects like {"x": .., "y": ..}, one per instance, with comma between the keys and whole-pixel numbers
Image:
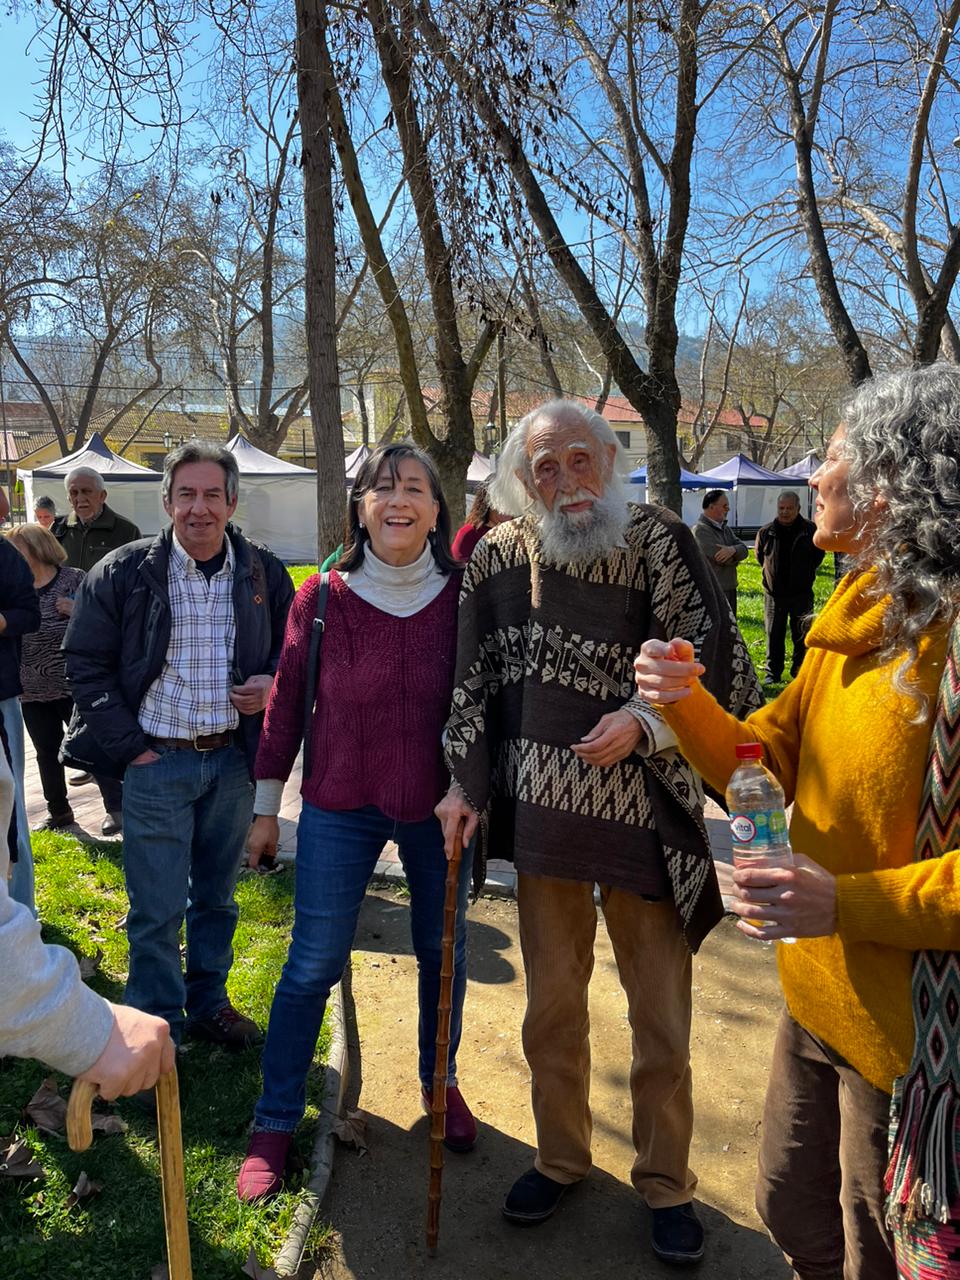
[
  {"x": 793, "y": 902},
  {"x": 251, "y": 697},
  {"x": 263, "y": 839},
  {"x": 665, "y": 671},
  {"x": 138, "y": 1052},
  {"x": 63, "y": 606},
  {"x": 725, "y": 554},
  {"x": 145, "y": 757},
  {"x": 453, "y": 809},
  {"x": 611, "y": 739}
]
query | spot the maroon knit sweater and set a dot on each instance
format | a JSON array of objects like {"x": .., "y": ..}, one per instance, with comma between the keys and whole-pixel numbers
[{"x": 383, "y": 696}]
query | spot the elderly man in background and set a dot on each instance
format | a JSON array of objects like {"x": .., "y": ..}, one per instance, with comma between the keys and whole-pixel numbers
[
  {"x": 91, "y": 531},
  {"x": 171, "y": 653},
  {"x": 718, "y": 542},
  {"x": 45, "y": 511},
  {"x": 789, "y": 561},
  {"x": 92, "y": 528},
  {"x": 581, "y": 784}
]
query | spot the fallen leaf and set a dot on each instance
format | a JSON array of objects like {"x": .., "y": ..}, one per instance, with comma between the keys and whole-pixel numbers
[
  {"x": 107, "y": 1122},
  {"x": 16, "y": 1160},
  {"x": 253, "y": 1269},
  {"x": 160, "y": 1272},
  {"x": 352, "y": 1130},
  {"x": 83, "y": 1189},
  {"x": 89, "y": 965},
  {"x": 47, "y": 1109}
]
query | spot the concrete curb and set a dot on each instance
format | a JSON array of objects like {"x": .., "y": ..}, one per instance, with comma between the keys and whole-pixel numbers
[{"x": 290, "y": 1256}]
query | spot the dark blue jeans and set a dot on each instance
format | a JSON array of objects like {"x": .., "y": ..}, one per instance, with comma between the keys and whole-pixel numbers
[
  {"x": 185, "y": 821},
  {"x": 336, "y": 856}
]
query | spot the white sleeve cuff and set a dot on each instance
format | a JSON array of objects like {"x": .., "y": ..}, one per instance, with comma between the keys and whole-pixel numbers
[
  {"x": 268, "y": 797},
  {"x": 658, "y": 736}
]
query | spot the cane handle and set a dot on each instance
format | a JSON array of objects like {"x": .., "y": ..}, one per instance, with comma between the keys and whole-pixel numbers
[{"x": 79, "y": 1126}]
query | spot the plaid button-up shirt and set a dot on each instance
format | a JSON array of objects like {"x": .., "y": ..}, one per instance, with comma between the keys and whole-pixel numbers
[{"x": 190, "y": 697}]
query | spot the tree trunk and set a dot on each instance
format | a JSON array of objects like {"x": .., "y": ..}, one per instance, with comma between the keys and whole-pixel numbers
[
  {"x": 453, "y": 481},
  {"x": 320, "y": 283}
]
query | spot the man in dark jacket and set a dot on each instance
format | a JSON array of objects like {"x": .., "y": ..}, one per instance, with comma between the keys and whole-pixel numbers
[
  {"x": 92, "y": 529},
  {"x": 719, "y": 543},
  {"x": 19, "y": 615},
  {"x": 171, "y": 653},
  {"x": 789, "y": 561}
]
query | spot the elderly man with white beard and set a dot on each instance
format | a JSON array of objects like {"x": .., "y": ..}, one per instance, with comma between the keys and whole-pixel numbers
[{"x": 561, "y": 767}]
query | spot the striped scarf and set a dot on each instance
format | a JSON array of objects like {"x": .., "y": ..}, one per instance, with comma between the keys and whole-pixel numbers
[{"x": 923, "y": 1177}]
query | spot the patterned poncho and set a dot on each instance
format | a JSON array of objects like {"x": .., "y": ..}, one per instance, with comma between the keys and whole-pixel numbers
[{"x": 543, "y": 652}]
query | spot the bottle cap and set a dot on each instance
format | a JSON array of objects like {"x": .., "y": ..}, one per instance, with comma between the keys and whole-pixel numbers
[{"x": 749, "y": 751}]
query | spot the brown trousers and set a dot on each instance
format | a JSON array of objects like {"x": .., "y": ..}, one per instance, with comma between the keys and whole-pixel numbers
[
  {"x": 558, "y": 925},
  {"x": 823, "y": 1153}
]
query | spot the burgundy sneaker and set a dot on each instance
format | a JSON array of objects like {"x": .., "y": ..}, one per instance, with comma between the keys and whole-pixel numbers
[
  {"x": 226, "y": 1027},
  {"x": 261, "y": 1174},
  {"x": 460, "y": 1129}
]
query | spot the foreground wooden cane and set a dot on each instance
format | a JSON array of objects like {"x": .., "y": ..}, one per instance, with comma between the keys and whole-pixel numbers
[
  {"x": 439, "y": 1108},
  {"x": 80, "y": 1135}
]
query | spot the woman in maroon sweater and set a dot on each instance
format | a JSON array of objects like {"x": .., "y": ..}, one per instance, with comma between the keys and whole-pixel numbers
[
  {"x": 481, "y": 518},
  {"x": 383, "y": 693}
]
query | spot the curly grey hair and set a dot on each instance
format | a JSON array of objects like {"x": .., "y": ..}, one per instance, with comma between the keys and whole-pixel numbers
[
  {"x": 507, "y": 491},
  {"x": 902, "y": 440}
]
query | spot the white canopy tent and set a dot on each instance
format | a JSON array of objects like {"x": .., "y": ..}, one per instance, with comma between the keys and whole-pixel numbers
[
  {"x": 132, "y": 491},
  {"x": 354, "y": 461},
  {"x": 278, "y": 503}
]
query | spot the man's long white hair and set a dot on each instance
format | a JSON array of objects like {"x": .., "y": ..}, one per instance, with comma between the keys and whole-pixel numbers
[{"x": 507, "y": 491}]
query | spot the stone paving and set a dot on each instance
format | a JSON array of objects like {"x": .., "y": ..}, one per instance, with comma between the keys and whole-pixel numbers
[{"x": 501, "y": 878}]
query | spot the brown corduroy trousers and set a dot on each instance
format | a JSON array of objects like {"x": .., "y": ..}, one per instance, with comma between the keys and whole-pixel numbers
[
  {"x": 558, "y": 925},
  {"x": 823, "y": 1154}
]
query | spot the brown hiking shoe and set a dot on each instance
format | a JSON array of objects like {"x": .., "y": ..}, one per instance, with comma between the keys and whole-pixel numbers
[{"x": 226, "y": 1027}]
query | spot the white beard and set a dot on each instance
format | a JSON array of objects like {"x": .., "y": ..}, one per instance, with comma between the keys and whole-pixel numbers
[{"x": 585, "y": 536}]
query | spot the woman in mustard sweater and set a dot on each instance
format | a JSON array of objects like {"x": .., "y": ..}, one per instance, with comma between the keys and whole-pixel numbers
[{"x": 850, "y": 740}]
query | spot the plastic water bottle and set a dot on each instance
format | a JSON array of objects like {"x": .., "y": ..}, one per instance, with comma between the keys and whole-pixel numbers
[{"x": 758, "y": 822}]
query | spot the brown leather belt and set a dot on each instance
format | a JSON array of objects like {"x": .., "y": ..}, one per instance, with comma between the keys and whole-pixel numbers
[{"x": 203, "y": 742}]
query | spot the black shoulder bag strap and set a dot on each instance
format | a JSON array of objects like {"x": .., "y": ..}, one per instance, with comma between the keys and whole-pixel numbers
[{"x": 316, "y": 635}]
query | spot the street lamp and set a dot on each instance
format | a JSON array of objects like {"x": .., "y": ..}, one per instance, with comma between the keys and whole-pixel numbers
[
  {"x": 167, "y": 441},
  {"x": 491, "y": 436}
]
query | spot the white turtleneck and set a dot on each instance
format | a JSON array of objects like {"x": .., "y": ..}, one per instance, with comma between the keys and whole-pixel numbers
[{"x": 402, "y": 590}]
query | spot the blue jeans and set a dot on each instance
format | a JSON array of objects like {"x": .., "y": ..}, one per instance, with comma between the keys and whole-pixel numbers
[
  {"x": 21, "y": 871},
  {"x": 185, "y": 821},
  {"x": 336, "y": 855}
]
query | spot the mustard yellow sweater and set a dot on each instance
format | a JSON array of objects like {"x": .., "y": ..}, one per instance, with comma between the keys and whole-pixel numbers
[{"x": 840, "y": 740}]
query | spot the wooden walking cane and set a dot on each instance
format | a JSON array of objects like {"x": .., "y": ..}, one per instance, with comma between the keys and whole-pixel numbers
[
  {"x": 438, "y": 1109},
  {"x": 173, "y": 1187}
]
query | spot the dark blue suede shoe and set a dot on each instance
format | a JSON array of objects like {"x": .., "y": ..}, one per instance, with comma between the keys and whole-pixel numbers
[
  {"x": 677, "y": 1235},
  {"x": 533, "y": 1198}
]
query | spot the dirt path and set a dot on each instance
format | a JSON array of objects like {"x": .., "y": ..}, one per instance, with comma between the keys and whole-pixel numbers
[{"x": 377, "y": 1201}]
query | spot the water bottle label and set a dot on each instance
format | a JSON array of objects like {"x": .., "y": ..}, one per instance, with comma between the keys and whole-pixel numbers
[{"x": 762, "y": 830}]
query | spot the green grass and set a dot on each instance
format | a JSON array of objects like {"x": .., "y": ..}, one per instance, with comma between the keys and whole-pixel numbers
[
  {"x": 750, "y": 610},
  {"x": 300, "y": 572},
  {"x": 118, "y": 1235}
]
